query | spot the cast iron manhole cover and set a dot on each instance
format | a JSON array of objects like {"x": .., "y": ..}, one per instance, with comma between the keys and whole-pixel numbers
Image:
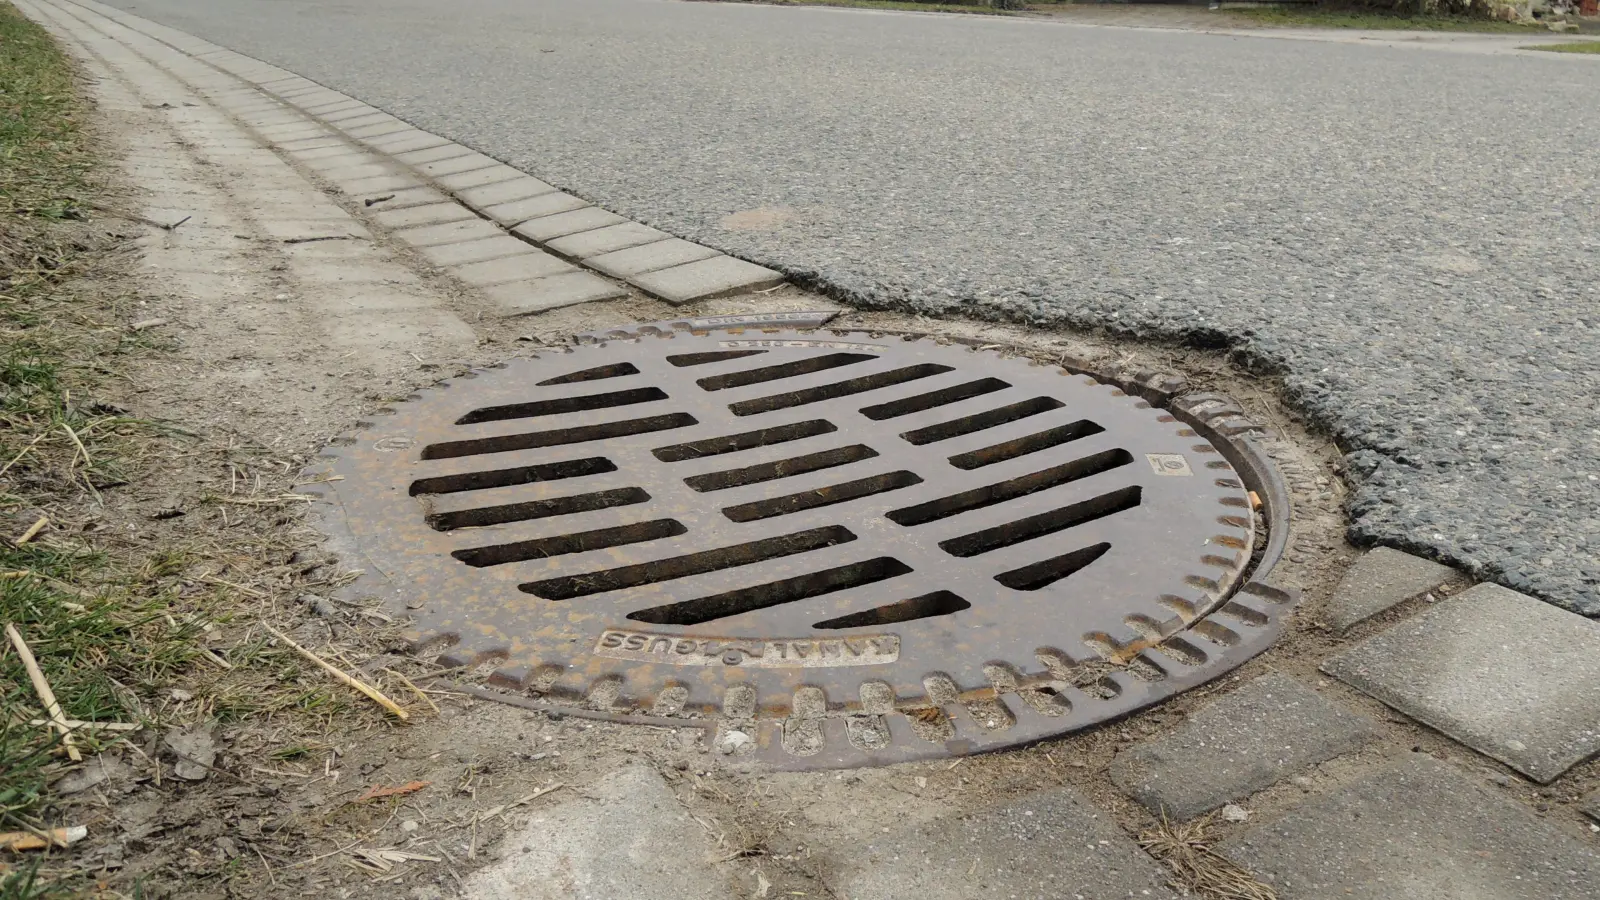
[{"x": 841, "y": 548}]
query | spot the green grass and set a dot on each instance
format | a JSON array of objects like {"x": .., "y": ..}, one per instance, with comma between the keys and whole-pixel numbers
[
  {"x": 1294, "y": 17},
  {"x": 1574, "y": 47}
]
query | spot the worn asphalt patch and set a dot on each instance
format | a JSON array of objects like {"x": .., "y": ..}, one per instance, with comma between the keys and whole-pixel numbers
[{"x": 1388, "y": 227}]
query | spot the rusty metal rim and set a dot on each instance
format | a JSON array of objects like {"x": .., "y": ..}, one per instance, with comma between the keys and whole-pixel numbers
[{"x": 1251, "y": 617}]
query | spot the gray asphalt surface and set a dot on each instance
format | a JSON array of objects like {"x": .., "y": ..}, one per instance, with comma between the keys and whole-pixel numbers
[{"x": 1408, "y": 236}]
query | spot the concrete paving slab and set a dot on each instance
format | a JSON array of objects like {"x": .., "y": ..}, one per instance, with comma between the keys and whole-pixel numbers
[
  {"x": 477, "y": 177},
  {"x": 1267, "y": 730},
  {"x": 358, "y": 171},
  {"x": 379, "y": 184},
  {"x": 1050, "y": 845},
  {"x": 382, "y": 129},
  {"x": 417, "y": 196},
  {"x": 1591, "y": 806},
  {"x": 606, "y": 240},
  {"x": 373, "y": 117},
  {"x": 515, "y": 213},
  {"x": 546, "y": 228},
  {"x": 626, "y": 835},
  {"x": 453, "y": 233},
  {"x": 526, "y": 297},
  {"x": 455, "y": 164},
  {"x": 649, "y": 257},
  {"x": 435, "y": 214},
  {"x": 1499, "y": 671},
  {"x": 522, "y": 267},
  {"x": 474, "y": 251},
  {"x": 1420, "y": 830},
  {"x": 405, "y": 141},
  {"x": 433, "y": 154},
  {"x": 719, "y": 276},
  {"x": 504, "y": 192},
  {"x": 1380, "y": 579}
]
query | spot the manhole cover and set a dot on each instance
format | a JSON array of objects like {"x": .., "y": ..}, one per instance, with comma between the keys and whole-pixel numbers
[{"x": 841, "y": 548}]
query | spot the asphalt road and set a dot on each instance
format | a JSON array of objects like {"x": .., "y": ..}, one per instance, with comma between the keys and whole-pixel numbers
[{"x": 1411, "y": 237}]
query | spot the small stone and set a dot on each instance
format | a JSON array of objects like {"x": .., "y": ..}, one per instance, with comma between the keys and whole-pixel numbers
[
  {"x": 409, "y": 825},
  {"x": 1234, "y": 813}
]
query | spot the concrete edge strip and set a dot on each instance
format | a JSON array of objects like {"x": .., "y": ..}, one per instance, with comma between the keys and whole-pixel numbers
[{"x": 462, "y": 210}]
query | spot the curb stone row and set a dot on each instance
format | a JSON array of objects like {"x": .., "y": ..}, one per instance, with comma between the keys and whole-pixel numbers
[{"x": 521, "y": 241}]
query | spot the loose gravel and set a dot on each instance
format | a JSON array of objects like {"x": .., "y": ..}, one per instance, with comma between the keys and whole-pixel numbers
[{"x": 1407, "y": 235}]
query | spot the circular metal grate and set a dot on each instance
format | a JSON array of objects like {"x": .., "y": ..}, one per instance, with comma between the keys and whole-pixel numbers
[{"x": 843, "y": 548}]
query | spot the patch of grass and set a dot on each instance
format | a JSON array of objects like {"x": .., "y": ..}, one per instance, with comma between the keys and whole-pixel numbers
[
  {"x": 1296, "y": 17},
  {"x": 1574, "y": 47}
]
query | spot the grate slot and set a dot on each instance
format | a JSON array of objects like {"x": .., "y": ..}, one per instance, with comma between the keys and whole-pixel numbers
[
  {"x": 498, "y": 478},
  {"x": 616, "y": 370},
  {"x": 980, "y": 421},
  {"x": 537, "y": 509},
  {"x": 579, "y": 542},
  {"x": 837, "y": 389},
  {"x": 567, "y": 587},
  {"x": 748, "y": 440},
  {"x": 783, "y": 468},
  {"x": 988, "y": 495},
  {"x": 782, "y": 370},
  {"x": 928, "y": 606},
  {"x": 827, "y": 496},
  {"x": 934, "y": 399},
  {"x": 1022, "y": 446},
  {"x": 699, "y": 359},
  {"x": 1055, "y": 520},
  {"x": 560, "y": 405},
  {"x": 580, "y": 435},
  {"x": 1046, "y": 572},
  {"x": 774, "y": 593}
]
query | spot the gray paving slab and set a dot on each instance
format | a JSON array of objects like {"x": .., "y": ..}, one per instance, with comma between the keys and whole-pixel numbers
[
  {"x": 405, "y": 141},
  {"x": 520, "y": 188},
  {"x": 433, "y": 214},
  {"x": 379, "y": 184},
  {"x": 432, "y": 154},
  {"x": 1053, "y": 844},
  {"x": 1365, "y": 258},
  {"x": 382, "y": 129},
  {"x": 474, "y": 251},
  {"x": 453, "y": 233},
  {"x": 1501, "y": 672},
  {"x": 461, "y": 181},
  {"x": 1419, "y": 830},
  {"x": 609, "y": 239},
  {"x": 719, "y": 276},
  {"x": 524, "y": 266},
  {"x": 649, "y": 257},
  {"x": 455, "y": 164},
  {"x": 359, "y": 171},
  {"x": 1270, "y": 729},
  {"x": 417, "y": 196},
  {"x": 624, "y": 836},
  {"x": 1382, "y": 578},
  {"x": 518, "y": 211},
  {"x": 526, "y": 297},
  {"x": 548, "y": 228}
]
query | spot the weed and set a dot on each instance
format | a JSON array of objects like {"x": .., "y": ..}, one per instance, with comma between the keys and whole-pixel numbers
[{"x": 1573, "y": 47}]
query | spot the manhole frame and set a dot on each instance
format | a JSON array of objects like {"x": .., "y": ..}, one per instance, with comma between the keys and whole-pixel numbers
[{"x": 1248, "y": 622}]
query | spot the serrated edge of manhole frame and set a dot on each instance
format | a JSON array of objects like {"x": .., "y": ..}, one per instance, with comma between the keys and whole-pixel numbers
[{"x": 1243, "y": 625}]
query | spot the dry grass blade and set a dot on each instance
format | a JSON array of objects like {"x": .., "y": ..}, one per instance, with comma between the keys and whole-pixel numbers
[
  {"x": 333, "y": 670},
  {"x": 1199, "y": 868},
  {"x": 46, "y": 695}
]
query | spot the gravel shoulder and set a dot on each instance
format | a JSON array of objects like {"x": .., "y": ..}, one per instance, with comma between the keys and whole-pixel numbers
[{"x": 1387, "y": 228}]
